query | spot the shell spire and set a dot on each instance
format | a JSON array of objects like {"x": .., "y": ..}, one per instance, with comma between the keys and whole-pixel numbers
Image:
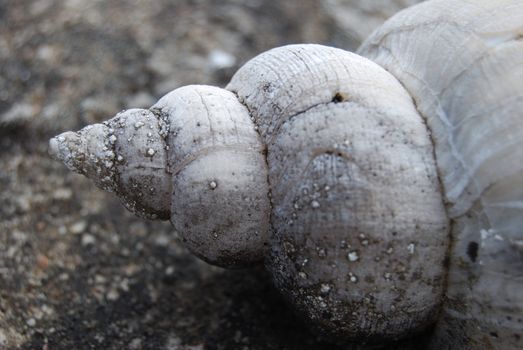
[
  {"x": 88, "y": 152},
  {"x": 125, "y": 155},
  {"x": 194, "y": 158}
]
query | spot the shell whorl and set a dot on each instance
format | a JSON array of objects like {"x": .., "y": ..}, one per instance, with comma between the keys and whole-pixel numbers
[
  {"x": 219, "y": 194},
  {"x": 351, "y": 235},
  {"x": 462, "y": 61}
]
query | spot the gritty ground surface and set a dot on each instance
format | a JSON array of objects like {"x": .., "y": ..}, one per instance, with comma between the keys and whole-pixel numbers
[{"x": 76, "y": 270}]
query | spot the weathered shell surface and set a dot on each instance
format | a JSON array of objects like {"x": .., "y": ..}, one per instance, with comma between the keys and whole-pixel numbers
[
  {"x": 462, "y": 61},
  {"x": 124, "y": 155},
  {"x": 194, "y": 157},
  {"x": 219, "y": 200},
  {"x": 359, "y": 228},
  {"x": 141, "y": 179}
]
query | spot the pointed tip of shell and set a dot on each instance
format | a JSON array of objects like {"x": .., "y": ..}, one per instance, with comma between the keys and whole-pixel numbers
[
  {"x": 58, "y": 146},
  {"x": 63, "y": 147},
  {"x": 88, "y": 152},
  {"x": 124, "y": 155}
]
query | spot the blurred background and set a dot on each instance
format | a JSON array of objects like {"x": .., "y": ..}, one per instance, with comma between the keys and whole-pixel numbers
[{"x": 77, "y": 271}]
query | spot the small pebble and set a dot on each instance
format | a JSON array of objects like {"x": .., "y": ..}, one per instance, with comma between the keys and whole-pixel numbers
[
  {"x": 112, "y": 295},
  {"x": 88, "y": 239},
  {"x": 62, "y": 230},
  {"x": 135, "y": 344},
  {"x": 62, "y": 194},
  {"x": 78, "y": 227},
  {"x": 42, "y": 261},
  {"x": 325, "y": 288},
  {"x": 353, "y": 256},
  {"x": 169, "y": 270},
  {"x": 99, "y": 279}
]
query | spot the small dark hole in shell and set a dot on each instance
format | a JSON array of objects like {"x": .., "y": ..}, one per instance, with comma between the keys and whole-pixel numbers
[
  {"x": 472, "y": 251},
  {"x": 338, "y": 97}
]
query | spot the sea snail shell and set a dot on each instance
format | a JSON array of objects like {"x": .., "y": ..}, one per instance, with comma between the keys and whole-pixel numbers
[{"x": 378, "y": 199}]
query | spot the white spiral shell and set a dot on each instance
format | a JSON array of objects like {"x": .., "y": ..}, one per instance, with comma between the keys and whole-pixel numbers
[{"x": 378, "y": 198}]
